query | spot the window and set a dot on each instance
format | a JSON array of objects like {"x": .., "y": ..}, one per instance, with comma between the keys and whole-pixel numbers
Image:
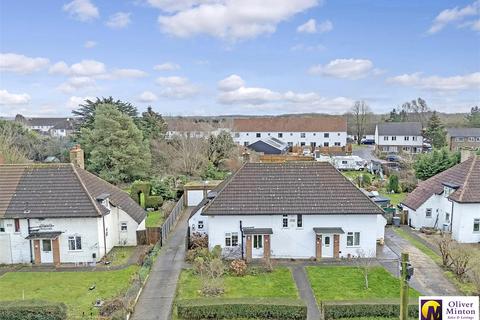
[
  {"x": 231, "y": 239},
  {"x": 327, "y": 241},
  {"x": 459, "y": 139},
  {"x": 414, "y": 138},
  {"x": 245, "y": 143},
  {"x": 476, "y": 225},
  {"x": 299, "y": 221},
  {"x": 17, "y": 225},
  {"x": 234, "y": 239},
  {"x": 258, "y": 135},
  {"x": 106, "y": 232},
  {"x": 280, "y": 135},
  {"x": 337, "y": 144},
  {"x": 326, "y": 135},
  {"x": 353, "y": 239},
  {"x": 406, "y": 148},
  {"x": 471, "y": 139},
  {"x": 237, "y": 134},
  {"x": 123, "y": 226},
  {"x": 257, "y": 241},
  {"x": 2, "y": 226},
  {"x": 268, "y": 134},
  {"x": 313, "y": 144},
  {"x": 46, "y": 245},
  {"x": 326, "y": 144},
  {"x": 200, "y": 224},
  {"x": 314, "y": 134},
  {"x": 302, "y": 135},
  {"x": 285, "y": 221},
  {"x": 394, "y": 138},
  {"x": 290, "y": 144},
  {"x": 291, "y": 134},
  {"x": 428, "y": 213},
  {"x": 406, "y": 138},
  {"x": 385, "y": 138},
  {"x": 447, "y": 216},
  {"x": 302, "y": 144},
  {"x": 74, "y": 243}
]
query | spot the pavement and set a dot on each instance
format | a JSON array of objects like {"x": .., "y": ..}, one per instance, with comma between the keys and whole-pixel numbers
[
  {"x": 428, "y": 277},
  {"x": 305, "y": 291},
  {"x": 156, "y": 299}
]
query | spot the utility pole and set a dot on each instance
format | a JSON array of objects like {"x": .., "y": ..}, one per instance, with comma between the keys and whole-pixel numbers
[{"x": 404, "y": 277}]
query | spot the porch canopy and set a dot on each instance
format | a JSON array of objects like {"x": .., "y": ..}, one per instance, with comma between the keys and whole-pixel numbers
[
  {"x": 43, "y": 235},
  {"x": 257, "y": 231},
  {"x": 328, "y": 230}
]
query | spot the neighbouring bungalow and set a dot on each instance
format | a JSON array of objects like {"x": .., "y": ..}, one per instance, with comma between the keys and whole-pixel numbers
[
  {"x": 449, "y": 201},
  {"x": 298, "y": 210},
  {"x": 60, "y": 213}
]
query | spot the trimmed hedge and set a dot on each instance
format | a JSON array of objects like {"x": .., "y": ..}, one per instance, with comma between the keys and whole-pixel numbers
[
  {"x": 388, "y": 308},
  {"x": 258, "y": 308},
  {"x": 153, "y": 202},
  {"x": 32, "y": 310}
]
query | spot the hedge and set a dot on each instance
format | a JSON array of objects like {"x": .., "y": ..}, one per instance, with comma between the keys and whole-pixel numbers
[
  {"x": 32, "y": 310},
  {"x": 388, "y": 308},
  {"x": 258, "y": 308},
  {"x": 153, "y": 202}
]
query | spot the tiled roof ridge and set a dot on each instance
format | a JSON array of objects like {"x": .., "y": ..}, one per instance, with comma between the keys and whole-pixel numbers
[
  {"x": 467, "y": 178},
  {"x": 95, "y": 204}
]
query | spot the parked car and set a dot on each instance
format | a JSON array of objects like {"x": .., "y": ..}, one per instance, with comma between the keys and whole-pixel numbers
[
  {"x": 367, "y": 141},
  {"x": 393, "y": 157}
]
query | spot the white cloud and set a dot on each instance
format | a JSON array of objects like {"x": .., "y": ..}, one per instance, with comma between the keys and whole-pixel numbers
[
  {"x": 88, "y": 68},
  {"x": 455, "y": 15},
  {"x": 437, "y": 83},
  {"x": 90, "y": 44},
  {"x": 254, "y": 97},
  {"x": 176, "y": 87},
  {"x": 82, "y": 10},
  {"x": 119, "y": 20},
  {"x": 19, "y": 63},
  {"x": 231, "y": 83},
  {"x": 344, "y": 68},
  {"x": 60, "y": 67},
  {"x": 227, "y": 19},
  {"x": 7, "y": 98},
  {"x": 311, "y": 26},
  {"x": 74, "y": 101},
  {"x": 75, "y": 84},
  {"x": 308, "y": 48},
  {"x": 127, "y": 73},
  {"x": 147, "y": 97},
  {"x": 167, "y": 66}
]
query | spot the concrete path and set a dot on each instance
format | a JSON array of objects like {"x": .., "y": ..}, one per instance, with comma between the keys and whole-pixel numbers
[
  {"x": 157, "y": 297},
  {"x": 306, "y": 293},
  {"x": 428, "y": 278}
]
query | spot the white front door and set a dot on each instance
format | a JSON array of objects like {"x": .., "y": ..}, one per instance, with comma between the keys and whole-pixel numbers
[
  {"x": 257, "y": 246},
  {"x": 327, "y": 246},
  {"x": 46, "y": 252}
]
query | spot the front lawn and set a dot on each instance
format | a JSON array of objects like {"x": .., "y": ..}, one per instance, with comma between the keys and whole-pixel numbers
[
  {"x": 347, "y": 283},
  {"x": 71, "y": 288},
  {"x": 154, "y": 219},
  {"x": 278, "y": 283},
  {"x": 119, "y": 255},
  {"x": 395, "y": 198}
]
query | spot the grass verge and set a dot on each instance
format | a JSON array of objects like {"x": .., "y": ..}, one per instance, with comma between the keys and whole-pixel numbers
[{"x": 154, "y": 219}]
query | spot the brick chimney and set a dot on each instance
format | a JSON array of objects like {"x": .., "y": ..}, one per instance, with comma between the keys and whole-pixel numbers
[{"x": 77, "y": 157}]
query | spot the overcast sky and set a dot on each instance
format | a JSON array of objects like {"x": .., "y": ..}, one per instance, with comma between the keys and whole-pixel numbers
[{"x": 210, "y": 57}]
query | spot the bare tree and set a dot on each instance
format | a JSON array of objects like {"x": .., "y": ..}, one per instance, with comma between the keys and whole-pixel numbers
[
  {"x": 365, "y": 263},
  {"x": 9, "y": 152},
  {"x": 445, "y": 246},
  {"x": 361, "y": 114},
  {"x": 417, "y": 110},
  {"x": 461, "y": 261}
]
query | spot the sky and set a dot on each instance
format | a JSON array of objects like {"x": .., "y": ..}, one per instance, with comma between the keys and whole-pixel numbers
[{"x": 219, "y": 57}]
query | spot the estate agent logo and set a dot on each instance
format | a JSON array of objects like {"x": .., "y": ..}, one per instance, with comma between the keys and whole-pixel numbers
[{"x": 448, "y": 308}]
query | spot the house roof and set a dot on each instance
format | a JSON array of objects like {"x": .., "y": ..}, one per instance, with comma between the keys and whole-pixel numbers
[
  {"x": 400, "y": 129},
  {"x": 463, "y": 132},
  {"x": 289, "y": 188},
  {"x": 291, "y": 124},
  {"x": 465, "y": 174},
  {"x": 273, "y": 142},
  {"x": 58, "y": 190},
  {"x": 45, "y": 121}
]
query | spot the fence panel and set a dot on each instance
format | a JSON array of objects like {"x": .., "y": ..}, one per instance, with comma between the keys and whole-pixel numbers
[{"x": 172, "y": 218}]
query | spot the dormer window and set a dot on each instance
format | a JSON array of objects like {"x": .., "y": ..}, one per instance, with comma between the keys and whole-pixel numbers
[{"x": 104, "y": 200}]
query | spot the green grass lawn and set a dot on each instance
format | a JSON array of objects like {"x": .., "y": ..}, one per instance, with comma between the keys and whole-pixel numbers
[
  {"x": 347, "y": 283},
  {"x": 154, "y": 219},
  {"x": 71, "y": 288},
  {"x": 119, "y": 255},
  {"x": 278, "y": 283},
  {"x": 395, "y": 198}
]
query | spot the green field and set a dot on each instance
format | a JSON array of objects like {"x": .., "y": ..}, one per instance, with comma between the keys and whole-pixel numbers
[
  {"x": 71, "y": 288},
  {"x": 154, "y": 219},
  {"x": 347, "y": 283}
]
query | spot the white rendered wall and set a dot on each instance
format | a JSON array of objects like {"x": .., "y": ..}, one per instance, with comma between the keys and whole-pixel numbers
[{"x": 293, "y": 137}]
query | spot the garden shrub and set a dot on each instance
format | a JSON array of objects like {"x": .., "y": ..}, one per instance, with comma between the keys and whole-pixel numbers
[
  {"x": 238, "y": 267},
  {"x": 250, "y": 308},
  {"x": 153, "y": 202},
  {"x": 365, "y": 308},
  {"x": 111, "y": 306},
  {"x": 32, "y": 310},
  {"x": 140, "y": 187},
  {"x": 408, "y": 185},
  {"x": 393, "y": 184},
  {"x": 198, "y": 240},
  {"x": 367, "y": 180}
]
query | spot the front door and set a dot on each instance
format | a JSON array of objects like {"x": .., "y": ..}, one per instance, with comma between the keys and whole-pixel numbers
[
  {"x": 257, "y": 246},
  {"x": 327, "y": 246},
  {"x": 46, "y": 251}
]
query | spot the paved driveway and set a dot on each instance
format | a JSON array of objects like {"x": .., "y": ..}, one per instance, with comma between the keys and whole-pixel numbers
[
  {"x": 156, "y": 300},
  {"x": 428, "y": 278}
]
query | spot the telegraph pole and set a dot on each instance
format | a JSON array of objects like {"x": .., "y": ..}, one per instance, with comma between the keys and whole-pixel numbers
[{"x": 404, "y": 287}]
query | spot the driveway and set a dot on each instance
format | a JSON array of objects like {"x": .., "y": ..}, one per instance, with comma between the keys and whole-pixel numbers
[
  {"x": 156, "y": 299},
  {"x": 365, "y": 152},
  {"x": 428, "y": 277}
]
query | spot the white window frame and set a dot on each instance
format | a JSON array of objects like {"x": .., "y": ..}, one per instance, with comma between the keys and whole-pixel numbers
[
  {"x": 428, "y": 213},
  {"x": 326, "y": 135},
  {"x": 355, "y": 239},
  {"x": 337, "y": 144},
  {"x": 76, "y": 241},
  {"x": 476, "y": 223},
  {"x": 394, "y": 138},
  {"x": 258, "y": 134},
  {"x": 200, "y": 224},
  {"x": 234, "y": 239},
  {"x": 302, "y": 135},
  {"x": 285, "y": 221},
  {"x": 299, "y": 219},
  {"x": 257, "y": 241},
  {"x": 2, "y": 225},
  {"x": 280, "y": 135},
  {"x": 414, "y": 138},
  {"x": 123, "y": 224},
  {"x": 406, "y": 138},
  {"x": 231, "y": 239},
  {"x": 385, "y": 138}
]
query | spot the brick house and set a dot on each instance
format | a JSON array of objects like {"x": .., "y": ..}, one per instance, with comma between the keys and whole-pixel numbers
[{"x": 460, "y": 138}]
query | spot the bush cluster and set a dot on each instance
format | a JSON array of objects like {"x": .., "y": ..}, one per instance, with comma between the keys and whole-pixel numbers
[
  {"x": 32, "y": 310},
  {"x": 370, "y": 308},
  {"x": 251, "y": 308},
  {"x": 238, "y": 267}
]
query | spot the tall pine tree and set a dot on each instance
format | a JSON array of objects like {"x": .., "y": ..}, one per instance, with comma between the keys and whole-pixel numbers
[{"x": 436, "y": 132}]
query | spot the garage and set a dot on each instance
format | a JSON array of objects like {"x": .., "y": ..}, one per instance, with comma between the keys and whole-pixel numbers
[{"x": 195, "y": 191}]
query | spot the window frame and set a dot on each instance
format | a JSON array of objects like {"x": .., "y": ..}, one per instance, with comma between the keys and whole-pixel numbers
[
  {"x": 2, "y": 225},
  {"x": 16, "y": 223},
  {"x": 476, "y": 222},
  {"x": 303, "y": 135},
  {"x": 326, "y": 135},
  {"x": 258, "y": 134},
  {"x": 394, "y": 138},
  {"x": 355, "y": 239},
  {"x": 285, "y": 221},
  {"x": 257, "y": 241},
  {"x": 200, "y": 224},
  {"x": 299, "y": 221},
  {"x": 280, "y": 135},
  {"x": 428, "y": 213},
  {"x": 122, "y": 224},
  {"x": 77, "y": 243},
  {"x": 385, "y": 138}
]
